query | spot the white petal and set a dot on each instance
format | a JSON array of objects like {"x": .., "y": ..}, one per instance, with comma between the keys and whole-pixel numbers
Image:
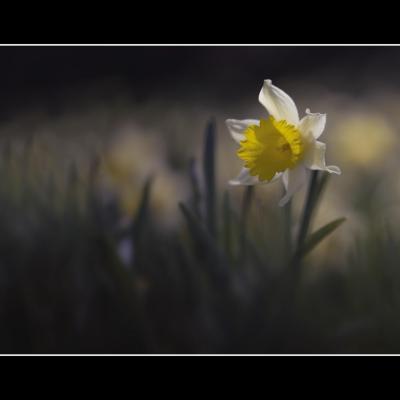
[
  {"x": 237, "y": 127},
  {"x": 293, "y": 179},
  {"x": 278, "y": 103},
  {"x": 277, "y": 175},
  {"x": 315, "y": 159},
  {"x": 245, "y": 179},
  {"x": 312, "y": 125}
]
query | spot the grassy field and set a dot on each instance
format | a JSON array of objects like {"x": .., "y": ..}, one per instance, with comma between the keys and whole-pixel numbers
[{"x": 91, "y": 260}]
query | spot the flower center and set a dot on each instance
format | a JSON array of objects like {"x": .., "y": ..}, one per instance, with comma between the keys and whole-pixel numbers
[{"x": 272, "y": 147}]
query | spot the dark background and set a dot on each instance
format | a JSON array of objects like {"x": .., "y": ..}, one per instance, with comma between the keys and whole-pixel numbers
[{"x": 46, "y": 75}]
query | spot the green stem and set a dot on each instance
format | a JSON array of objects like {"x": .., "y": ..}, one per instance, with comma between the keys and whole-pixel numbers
[
  {"x": 308, "y": 209},
  {"x": 312, "y": 194},
  {"x": 287, "y": 217}
]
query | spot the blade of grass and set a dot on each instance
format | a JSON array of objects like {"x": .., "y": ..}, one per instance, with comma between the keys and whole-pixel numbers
[
  {"x": 209, "y": 176},
  {"x": 227, "y": 224},
  {"x": 194, "y": 181},
  {"x": 206, "y": 246}
]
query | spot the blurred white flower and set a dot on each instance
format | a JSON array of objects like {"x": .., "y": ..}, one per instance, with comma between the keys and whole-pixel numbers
[
  {"x": 280, "y": 146},
  {"x": 126, "y": 251}
]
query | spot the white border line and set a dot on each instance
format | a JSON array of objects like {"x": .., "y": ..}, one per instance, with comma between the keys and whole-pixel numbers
[{"x": 204, "y": 44}]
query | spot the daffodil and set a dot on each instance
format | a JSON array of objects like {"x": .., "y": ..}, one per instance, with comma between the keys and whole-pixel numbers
[{"x": 281, "y": 146}]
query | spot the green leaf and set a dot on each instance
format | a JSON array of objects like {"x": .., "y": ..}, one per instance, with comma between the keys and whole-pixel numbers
[{"x": 319, "y": 235}]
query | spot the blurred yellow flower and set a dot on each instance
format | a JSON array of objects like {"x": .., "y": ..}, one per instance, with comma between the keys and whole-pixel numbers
[
  {"x": 280, "y": 146},
  {"x": 129, "y": 161},
  {"x": 365, "y": 140}
]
